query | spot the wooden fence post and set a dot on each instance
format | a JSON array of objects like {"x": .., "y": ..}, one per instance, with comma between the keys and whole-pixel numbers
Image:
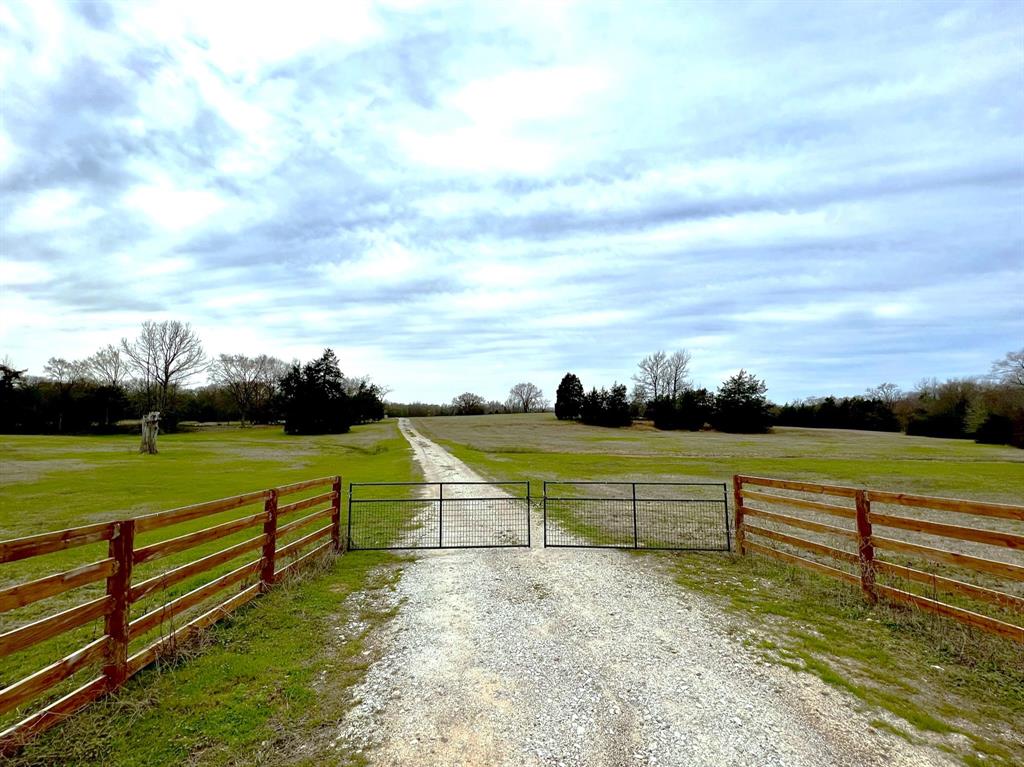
[
  {"x": 269, "y": 542},
  {"x": 336, "y": 515},
  {"x": 737, "y": 502},
  {"x": 865, "y": 549},
  {"x": 119, "y": 585}
]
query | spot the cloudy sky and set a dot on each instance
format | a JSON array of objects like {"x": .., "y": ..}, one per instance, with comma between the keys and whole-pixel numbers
[{"x": 461, "y": 196}]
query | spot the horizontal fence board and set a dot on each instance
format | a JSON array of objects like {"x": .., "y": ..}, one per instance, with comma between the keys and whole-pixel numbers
[
  {"x": 792, "y": 540},
  {"x": 976, "y": 534},
  {"x": 33, "y": 686},
  {"x": 793, "y": 559},
  {"x": 17, "y": 735},
  {"x": 803, "y": 503},
  {"x": 805, "y": 524},
  {"x": 306, "y": 503},
  {"x": 951, "y": 585},
  {"x": 303, "y": 541},
  {"x": 969, "y": 617},
  {"x": 186, "y": 513},
  {"x": 1004, "y": 569},
  {"x": 806, "y": 487},
  {"x": 146, "y": 656},
  {"x": 178, "y": 574},
  {"x": 164, "y": 612},
  {"x": 190, "y": 540},
  {"x": 54, "y": 625},
  {"x": 298, "y": 487},
  {"x": 293, "y": 566},
  {"x": 981, "y": 508},
  {"x": 298, "y": 524},
  {"x": 46, "y": 543},
  {"x": 23, "y": 594}
]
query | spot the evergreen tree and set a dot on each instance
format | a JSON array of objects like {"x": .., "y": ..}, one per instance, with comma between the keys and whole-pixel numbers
[
  {"x": 741, "y": 405},
  {"x": 569, "y": 398}
]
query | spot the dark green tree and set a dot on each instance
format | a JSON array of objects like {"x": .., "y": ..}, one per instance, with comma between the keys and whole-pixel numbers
[
  {"x": 741, "y": 405},
  {"x": 569, "y": 398},
  {"x": 313, "y": 398}
]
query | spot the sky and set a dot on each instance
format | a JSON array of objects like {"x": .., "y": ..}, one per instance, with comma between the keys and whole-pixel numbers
[{"x": 460, "y": 196}]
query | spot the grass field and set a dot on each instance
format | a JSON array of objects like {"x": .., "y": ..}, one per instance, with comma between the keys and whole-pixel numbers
[
  {"x": 260, "y": 686},
  {"x": 927, "y": 677}
]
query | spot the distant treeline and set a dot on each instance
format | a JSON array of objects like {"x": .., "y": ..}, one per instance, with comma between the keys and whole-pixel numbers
[{"x": 121, "y": 383}]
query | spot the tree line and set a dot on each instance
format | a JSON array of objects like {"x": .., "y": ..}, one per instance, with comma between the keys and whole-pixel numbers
[
  {"x": 151, "y": 373},
  {"x": 524, "y": 397},
  {"x": 989, "y": 408}
]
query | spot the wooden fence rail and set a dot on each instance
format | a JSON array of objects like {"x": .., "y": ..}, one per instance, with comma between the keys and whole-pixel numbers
[
  {"x": 753, "y": 536},
  {"x": 115, "y": 607}
]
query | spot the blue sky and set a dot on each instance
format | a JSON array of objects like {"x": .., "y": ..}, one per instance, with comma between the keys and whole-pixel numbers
[{"x": 462, "y": 196}]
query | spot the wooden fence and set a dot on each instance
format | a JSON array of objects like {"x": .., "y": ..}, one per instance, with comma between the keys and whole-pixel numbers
[
  {"x": 771, "y": 533},
  {"x": 115, "y": 606}
]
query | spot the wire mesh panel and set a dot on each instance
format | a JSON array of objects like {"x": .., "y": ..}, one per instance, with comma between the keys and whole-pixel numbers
[
  {"x": 637, "y": 515},
  {"x": 438, "y": 515}
]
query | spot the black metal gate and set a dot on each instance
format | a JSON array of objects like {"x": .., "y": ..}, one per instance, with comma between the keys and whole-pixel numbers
[
  {"x": 438, "y": 515},
  {"x": 637, "y": 515}
]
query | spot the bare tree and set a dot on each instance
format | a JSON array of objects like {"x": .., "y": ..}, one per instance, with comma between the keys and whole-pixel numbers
[
  {"x": 108, "y": 367},
  {"x": 1010, "y": 369},
  {"x": 164, "y": 356},
  {"x": 250, "y": 381},
  {"x": 677, "y": 373},
  {"x": 469, "y": 403},
  {"x": 525, "y": 397},
  {"x": 65, "y": 374},
  {"x": 889, "y": 393},
  {"x": 652, "y": 374}
]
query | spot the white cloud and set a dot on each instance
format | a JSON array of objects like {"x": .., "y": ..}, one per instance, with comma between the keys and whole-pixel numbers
[{"x": 174, "y": 208}]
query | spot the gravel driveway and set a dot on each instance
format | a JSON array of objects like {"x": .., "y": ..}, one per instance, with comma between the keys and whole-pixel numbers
[{"x": 586, "y": 657}]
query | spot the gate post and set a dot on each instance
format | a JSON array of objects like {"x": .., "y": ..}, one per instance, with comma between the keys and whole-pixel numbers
[
  {"x": 865, "y": 549},
  {"x": 545, "y": 490},
  {"x": 737, "y": 500},
  {"x": 336, "y": 514},
  {"x": 529, "y": 543},
  {"x": 269, "y": 542},
  {"x": 636, "y": 538},
  {"x": 348, "y": 537},
  {"x": 440, "y": 515},
  {"x": 119, "y": 585}
]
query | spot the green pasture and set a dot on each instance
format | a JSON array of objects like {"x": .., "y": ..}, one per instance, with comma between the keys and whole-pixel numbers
[
  {"x": 253, "y": 685},
  {"x": 539, "y": 447}
]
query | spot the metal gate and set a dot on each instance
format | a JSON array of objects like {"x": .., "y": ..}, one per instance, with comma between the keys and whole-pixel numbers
[
  {"x": 637, "y": 515},
  {"x": 438, "y": 515}
]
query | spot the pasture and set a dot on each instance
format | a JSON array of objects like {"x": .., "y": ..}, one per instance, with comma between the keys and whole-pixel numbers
[
  {"x": 251, "y": 689},
  {"x": 266, "y": 681}
]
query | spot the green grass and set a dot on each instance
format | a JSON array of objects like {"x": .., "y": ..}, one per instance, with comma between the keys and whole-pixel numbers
[
  {"x": 51, "y": 483},
  {"x": 933, "y": 678}
]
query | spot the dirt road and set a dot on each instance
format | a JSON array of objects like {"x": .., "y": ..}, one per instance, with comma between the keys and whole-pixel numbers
[{"x": 586, "y": 657}]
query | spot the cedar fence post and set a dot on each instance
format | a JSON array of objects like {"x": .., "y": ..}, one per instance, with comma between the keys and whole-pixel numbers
[
  {"x": 269, "y": 542},
  {"x": 737, "y": 502},
  {"x": 119, "y": 584},
  {"x": 865, "y": 549},
  {"x": 336, "y": 514}
]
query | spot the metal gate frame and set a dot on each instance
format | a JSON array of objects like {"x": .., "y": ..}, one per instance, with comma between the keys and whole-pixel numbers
[
  {"x": 636, "y": 538},
  {"x": 440, "y": 501}
]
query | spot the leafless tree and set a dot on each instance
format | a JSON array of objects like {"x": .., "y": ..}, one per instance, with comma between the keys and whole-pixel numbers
[
  {"x": 525, "y": 397},
  {"x": 677, "y": 373},
  {"x": 250, "y": 381},
  {"x": 164, "y": 356},
  {"x": 65, "y": 374},
  {"x": 469, "y": 403},
  {"x": 108, "y": 367},
  {"x": 1010, "y": 369},
  {"x": 652, "y": 374},
  {"x": 889, "y": 393}
]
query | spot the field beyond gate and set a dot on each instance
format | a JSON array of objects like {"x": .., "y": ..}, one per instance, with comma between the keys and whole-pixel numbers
[
  {"x": 438, "y": 515},
  {"x": 677, "y": 516}
]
